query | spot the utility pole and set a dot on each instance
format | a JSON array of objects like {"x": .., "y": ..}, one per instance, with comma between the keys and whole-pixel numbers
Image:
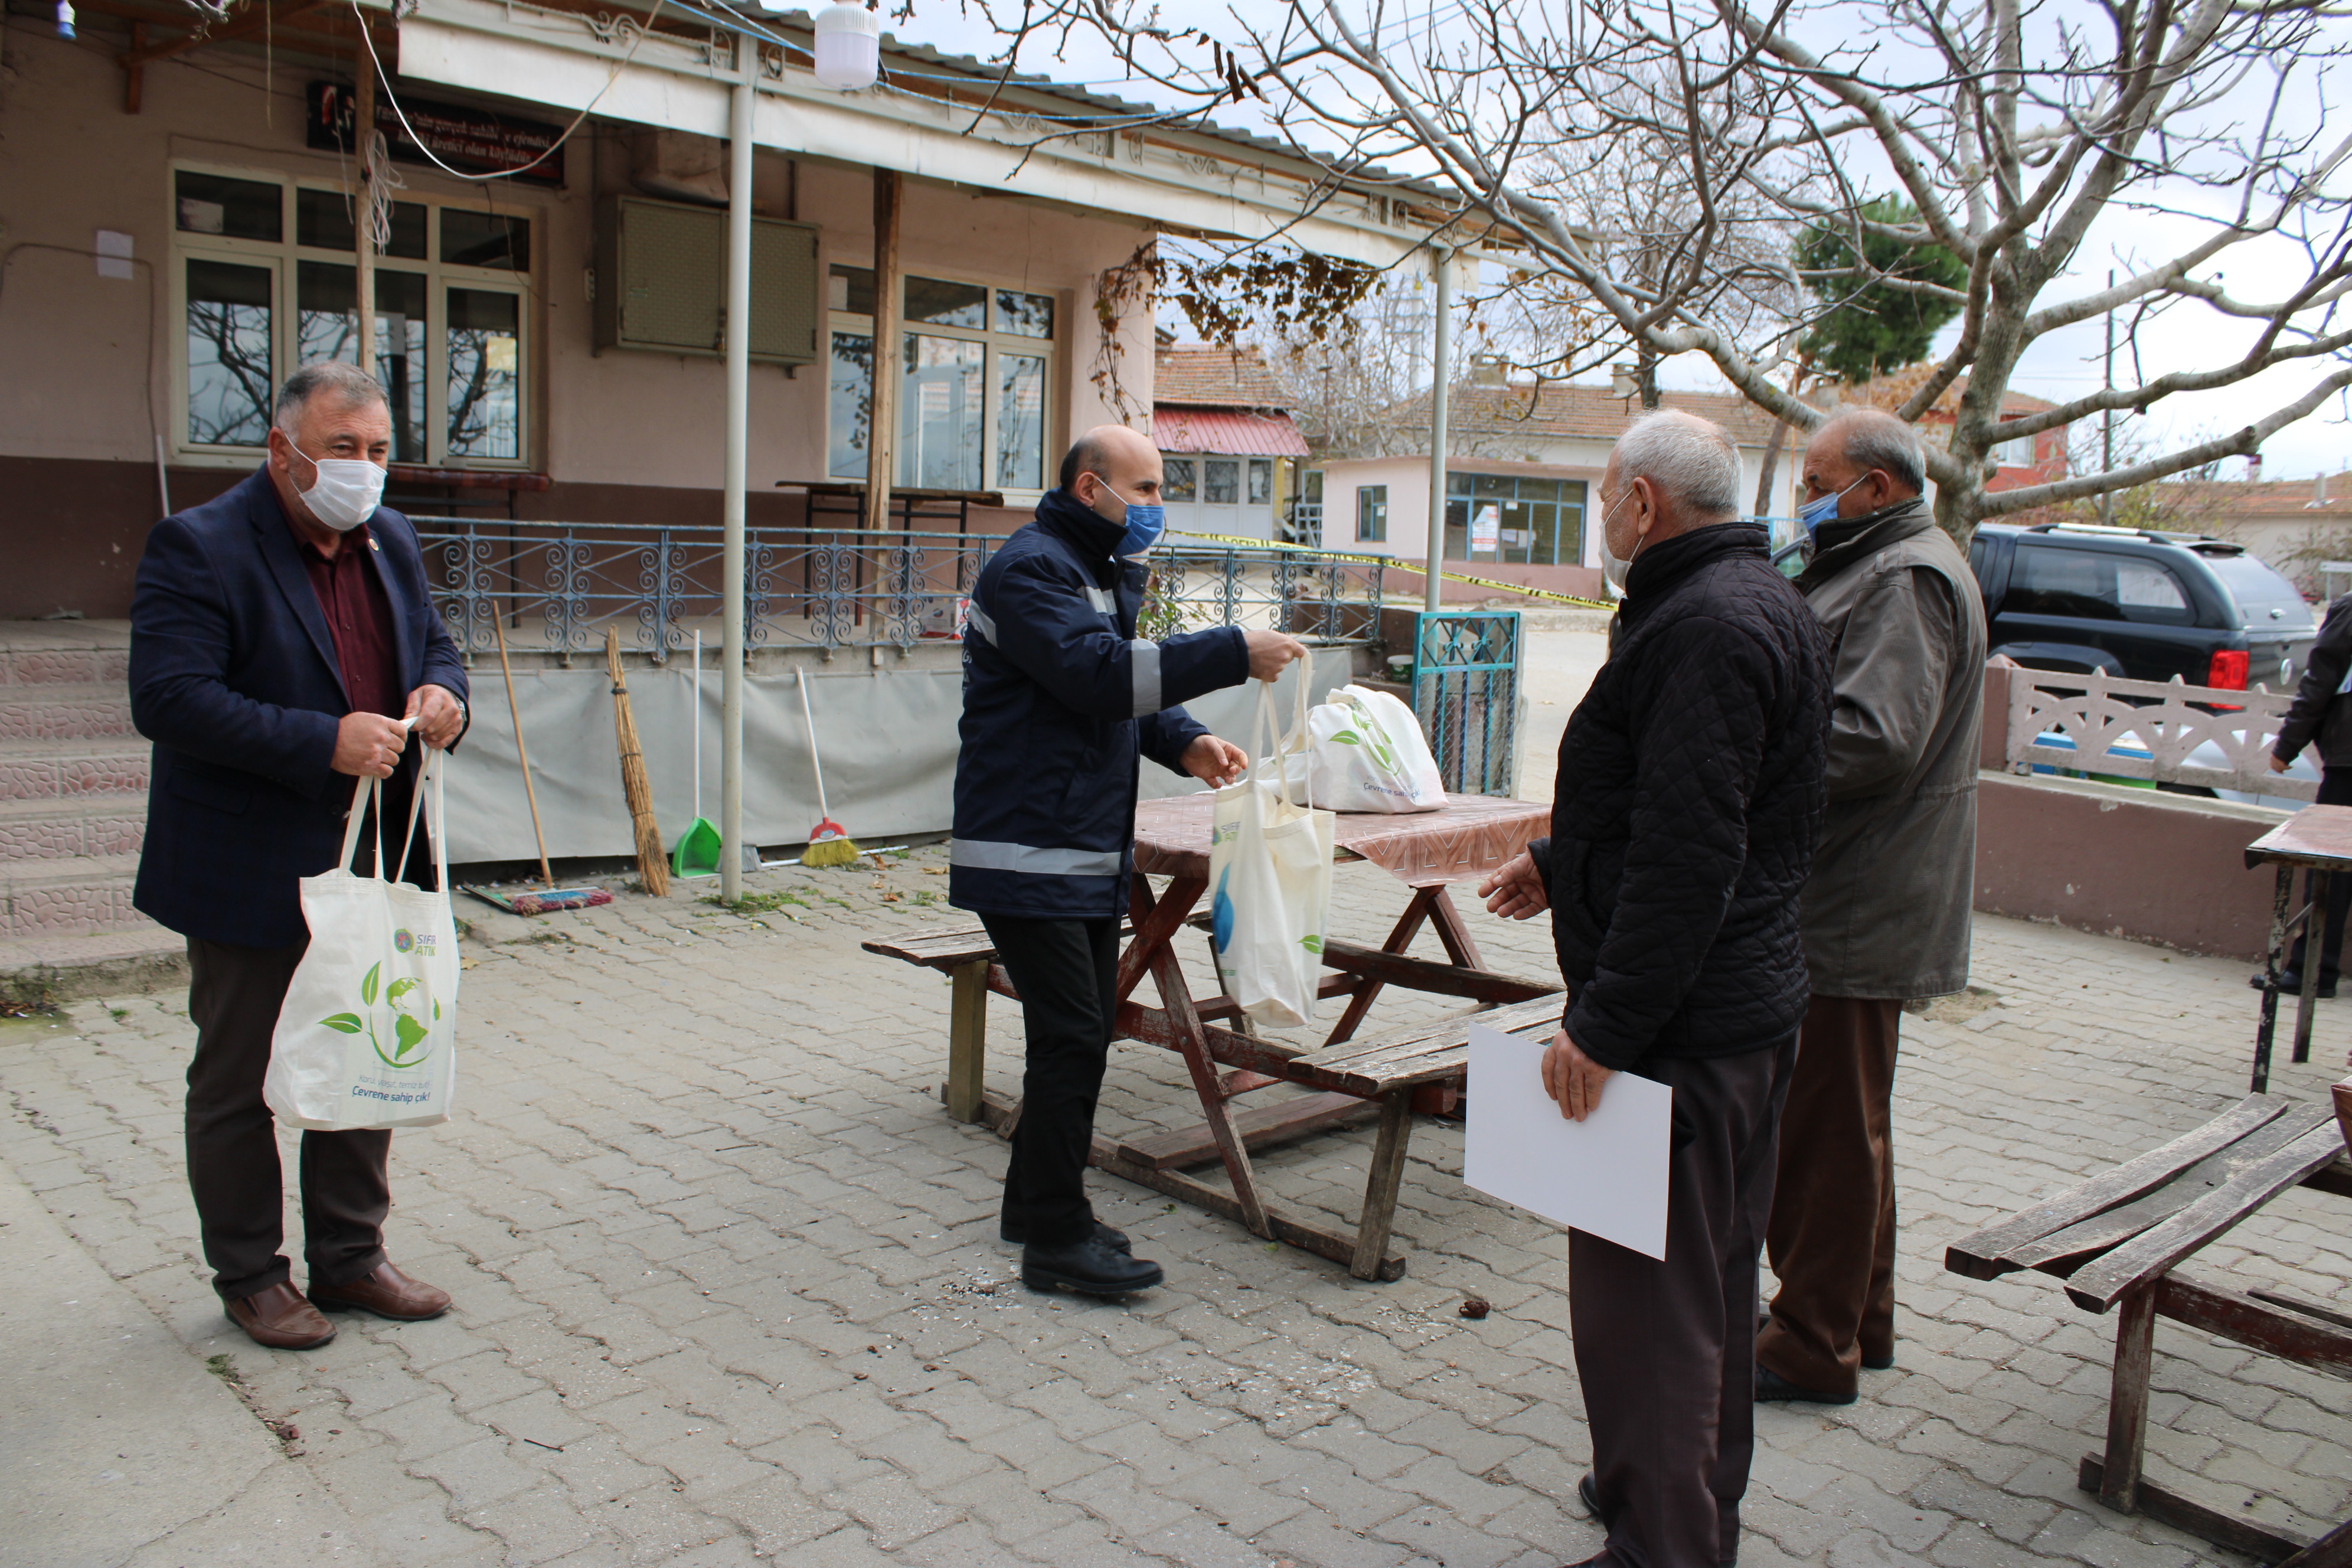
[
  {"x": 2107, "y": 416},
  {"x": 1441, "y": 262}
]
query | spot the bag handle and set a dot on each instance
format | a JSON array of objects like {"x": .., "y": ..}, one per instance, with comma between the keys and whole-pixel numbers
[
  {"x": 429, "y": 771},
  {"x": 363, "y": 797},
  {"x": 1278, "y": 745}
]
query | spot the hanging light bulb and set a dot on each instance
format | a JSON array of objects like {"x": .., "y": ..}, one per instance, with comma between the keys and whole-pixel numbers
[
  {"x": 65, "y": 18},
  {"x": 848, "y": 47}
]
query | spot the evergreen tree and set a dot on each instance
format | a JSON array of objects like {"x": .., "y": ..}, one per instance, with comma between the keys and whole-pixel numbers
[{"x": 1874, "y": 326}]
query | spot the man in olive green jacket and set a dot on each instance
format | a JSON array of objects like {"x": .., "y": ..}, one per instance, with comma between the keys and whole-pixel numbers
[{"x": 1886, "y": 908}]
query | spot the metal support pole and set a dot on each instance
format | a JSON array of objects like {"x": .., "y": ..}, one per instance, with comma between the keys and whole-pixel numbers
[
  {"x": 739, "y": 446},
  {"x": 1441, "y": 261},
  {"x": 364, "y": 209}
]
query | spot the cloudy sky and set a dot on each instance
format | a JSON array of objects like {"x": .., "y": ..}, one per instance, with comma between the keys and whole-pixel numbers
[{"x": 2061, "y": 364}]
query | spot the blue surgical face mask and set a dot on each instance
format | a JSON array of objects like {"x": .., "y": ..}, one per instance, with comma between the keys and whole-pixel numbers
[
  {"x": 1814, "y": 513},
  {"x": 1144, "y": 523}
]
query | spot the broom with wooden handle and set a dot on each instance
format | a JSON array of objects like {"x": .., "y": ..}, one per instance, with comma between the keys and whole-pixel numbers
[{"x": 653, "y": 866}]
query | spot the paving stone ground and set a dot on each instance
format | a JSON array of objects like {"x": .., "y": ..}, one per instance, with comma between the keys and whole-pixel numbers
[{"x": 728, "y": 1291}]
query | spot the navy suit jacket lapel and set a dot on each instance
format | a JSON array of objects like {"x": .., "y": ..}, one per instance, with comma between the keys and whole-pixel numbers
[
  {"x": 275, "y": 538},
  {"x": 396, "y": 595}
]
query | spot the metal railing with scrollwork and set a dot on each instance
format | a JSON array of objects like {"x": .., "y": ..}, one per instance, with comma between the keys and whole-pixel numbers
[{"x": 558, "y": 585}]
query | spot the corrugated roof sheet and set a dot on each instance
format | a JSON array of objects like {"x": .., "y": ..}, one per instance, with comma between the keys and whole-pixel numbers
[{"x": 1226, "y": 433}]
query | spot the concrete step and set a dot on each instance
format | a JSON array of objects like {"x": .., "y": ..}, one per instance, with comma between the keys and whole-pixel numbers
[
  {"x": 46, "y": 970},
  {"x": 74, "y": 770},
  {"x": 76, "y": 897},
  {"x": 52, "y": 666},
  {"x": 58, "y": 829},
  {"x": 64, "y": 710}
]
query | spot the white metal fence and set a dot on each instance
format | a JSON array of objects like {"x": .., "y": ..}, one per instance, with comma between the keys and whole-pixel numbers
[{"x": 2165, "y": 732}]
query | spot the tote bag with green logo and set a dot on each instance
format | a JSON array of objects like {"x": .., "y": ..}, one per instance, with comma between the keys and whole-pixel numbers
[{"x": 368, "y": 1035}]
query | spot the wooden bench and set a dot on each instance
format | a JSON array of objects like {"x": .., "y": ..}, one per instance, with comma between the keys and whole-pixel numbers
[
  {"x": 2120, "y": 1236},
  {"x": 1391, "y": 1075}
]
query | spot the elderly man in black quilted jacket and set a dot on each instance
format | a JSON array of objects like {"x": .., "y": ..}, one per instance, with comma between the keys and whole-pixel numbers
[{"x": 1690, "y": 795}]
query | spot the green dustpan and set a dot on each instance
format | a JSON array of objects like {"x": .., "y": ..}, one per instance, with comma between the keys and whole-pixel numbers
[{"x": 696, "y": 854}]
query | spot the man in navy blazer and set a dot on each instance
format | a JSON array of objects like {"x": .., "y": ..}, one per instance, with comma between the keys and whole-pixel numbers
[{"x": 283, "y": 648}]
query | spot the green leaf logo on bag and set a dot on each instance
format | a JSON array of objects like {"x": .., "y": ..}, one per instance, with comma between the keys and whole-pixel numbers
[
  {"x": 410, "y": 1028},
  {"x": 1312, "y": 943}
]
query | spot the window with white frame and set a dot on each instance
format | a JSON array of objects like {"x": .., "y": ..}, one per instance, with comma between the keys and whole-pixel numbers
[
  {"x": 264, "y": 279},
  {"x": 974, "y": 363},
  {"x": 2016, "y": 453}
]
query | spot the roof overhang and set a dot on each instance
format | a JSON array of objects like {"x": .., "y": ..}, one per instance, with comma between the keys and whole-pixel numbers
[
  {"x": 1164, "y": 177},
  {"x": 1225, "y": 431}
]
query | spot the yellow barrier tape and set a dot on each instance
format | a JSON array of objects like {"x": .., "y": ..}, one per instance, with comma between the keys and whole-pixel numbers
[{"x": 1391, "y": 560}]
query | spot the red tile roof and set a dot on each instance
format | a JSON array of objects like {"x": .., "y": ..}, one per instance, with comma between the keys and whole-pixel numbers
[
  {"x": 1562, "y": 409},
  {"x": 1225, "y": 431},
  {"x": 1203, "y": 377}
]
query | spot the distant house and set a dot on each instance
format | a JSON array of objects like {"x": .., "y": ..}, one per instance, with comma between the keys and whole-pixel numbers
[
  {"x": 1519, "y": 490},
  {"x": 2296, "y": 525},
  {"x": 1228, "y": 447},
  {"x": 2026, "y": 461}
]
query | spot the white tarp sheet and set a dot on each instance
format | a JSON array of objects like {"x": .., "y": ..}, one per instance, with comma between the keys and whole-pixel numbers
[{"x": 889, "y": 737}]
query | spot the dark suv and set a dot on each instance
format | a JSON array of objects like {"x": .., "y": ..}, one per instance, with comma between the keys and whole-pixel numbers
[{"x": 2141, "y": 605}]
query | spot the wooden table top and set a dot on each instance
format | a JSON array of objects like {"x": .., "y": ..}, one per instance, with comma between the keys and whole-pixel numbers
[
  {"x": 1468, "y": 837},
  {"x": 2318, "y": 835}
]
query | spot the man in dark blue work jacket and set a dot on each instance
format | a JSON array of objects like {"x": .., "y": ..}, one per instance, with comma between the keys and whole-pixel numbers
[{"x": 1060, "y": 697}]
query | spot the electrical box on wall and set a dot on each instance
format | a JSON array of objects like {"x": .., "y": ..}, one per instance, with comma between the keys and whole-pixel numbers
[{"x": 661, "y": 281}]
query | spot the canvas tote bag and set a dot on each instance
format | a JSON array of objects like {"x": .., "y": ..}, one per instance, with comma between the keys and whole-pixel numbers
[
  {"x": 1270, "y": 881},
  {"x": 1365, "y": 752},
  {"x": 367, "y": 1037}
]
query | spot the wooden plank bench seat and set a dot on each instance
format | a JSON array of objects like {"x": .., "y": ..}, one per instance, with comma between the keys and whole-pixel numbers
[
  {"x": 2118, "y": 1239},
  {"x": 1346, "y": 1081}
]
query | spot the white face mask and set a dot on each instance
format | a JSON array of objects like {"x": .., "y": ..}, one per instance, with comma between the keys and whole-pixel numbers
[
  {"x": 346, "y": 492},
  {"x": 1612, "y": 568}
]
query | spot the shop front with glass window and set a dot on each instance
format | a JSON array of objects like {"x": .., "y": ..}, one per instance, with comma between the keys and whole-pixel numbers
[{"x": 1514, "y": 519}]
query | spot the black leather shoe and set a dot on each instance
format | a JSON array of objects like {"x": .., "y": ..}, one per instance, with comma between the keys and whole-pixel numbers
[
  {"x": 1013, "y": 1231},
  {"x": 1091, "y": 1268},
  {"x": 1879, "y": 1363},
  {"x": 1771, "y": 1386},
  {"x": 2291, "y": 985}
]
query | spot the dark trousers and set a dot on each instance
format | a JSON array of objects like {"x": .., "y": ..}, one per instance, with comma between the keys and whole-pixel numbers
[
  {"x": 1832, "y": 1229},
  {"x": 1068, "y": 975},
  {"x": 1664, "y": 1348},
  {"x": 234, "y": 996},
  {"x": 2334, "y": 789}
]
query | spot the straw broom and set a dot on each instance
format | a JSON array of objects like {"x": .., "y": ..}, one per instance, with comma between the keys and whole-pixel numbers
[{"x": 653, "y": 866}]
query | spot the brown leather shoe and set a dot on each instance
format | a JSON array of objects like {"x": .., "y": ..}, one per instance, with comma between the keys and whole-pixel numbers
[
  {"x": 278, "y": 1317},
  {"x": 388, "y": 1293}
]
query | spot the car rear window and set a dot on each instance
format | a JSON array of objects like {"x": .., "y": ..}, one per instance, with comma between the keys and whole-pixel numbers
[
  {"x": 2089, "y": 585},
  {"x": 2258, "y": 591}
]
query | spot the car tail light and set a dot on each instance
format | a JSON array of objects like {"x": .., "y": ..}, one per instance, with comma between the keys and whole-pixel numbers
[{"x": 2228, "y": 672}]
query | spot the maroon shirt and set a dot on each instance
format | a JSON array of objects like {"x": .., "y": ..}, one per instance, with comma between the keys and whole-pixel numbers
[{"x": 359, "y": 619}]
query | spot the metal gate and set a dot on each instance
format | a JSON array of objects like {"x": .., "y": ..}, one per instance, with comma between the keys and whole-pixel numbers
[{"x": 1465, "y": 691}]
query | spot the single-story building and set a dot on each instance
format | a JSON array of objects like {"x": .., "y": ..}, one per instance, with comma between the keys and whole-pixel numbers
[
  {"x": 1529, "y": 460},
  {"x": 549, "y": 289},
  {"x": 1228, "y": 448}
]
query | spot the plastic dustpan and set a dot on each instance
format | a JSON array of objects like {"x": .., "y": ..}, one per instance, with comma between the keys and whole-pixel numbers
[{"x": 696, "y": 854}]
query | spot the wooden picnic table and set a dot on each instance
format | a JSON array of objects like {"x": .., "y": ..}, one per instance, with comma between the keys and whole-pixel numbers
[
  {"x": 1422, "y": 1066},
  {"x": 2318, "y": 839},
  {"x": 2120, "y": 1238}
]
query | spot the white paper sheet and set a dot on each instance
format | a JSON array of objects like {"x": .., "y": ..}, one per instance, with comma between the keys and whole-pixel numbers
[{"x": 1605, "y": 1175}]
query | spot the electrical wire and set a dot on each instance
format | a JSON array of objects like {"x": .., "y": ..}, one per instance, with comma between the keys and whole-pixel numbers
[{"x": 384, "y": 78}]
